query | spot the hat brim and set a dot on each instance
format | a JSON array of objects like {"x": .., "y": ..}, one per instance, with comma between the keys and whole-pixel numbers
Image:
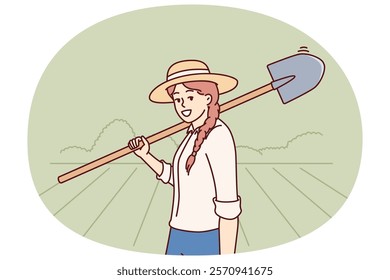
[{"x": 224, "y": 83}]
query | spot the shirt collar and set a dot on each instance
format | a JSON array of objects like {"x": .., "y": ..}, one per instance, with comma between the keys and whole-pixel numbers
[{"x": 191, "y": 129}]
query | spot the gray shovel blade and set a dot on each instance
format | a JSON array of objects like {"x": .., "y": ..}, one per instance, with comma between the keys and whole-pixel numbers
[{"x": 296, "y": 75}]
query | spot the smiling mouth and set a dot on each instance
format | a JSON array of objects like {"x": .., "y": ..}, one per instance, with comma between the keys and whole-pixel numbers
[{"x": 186, "y": 113}]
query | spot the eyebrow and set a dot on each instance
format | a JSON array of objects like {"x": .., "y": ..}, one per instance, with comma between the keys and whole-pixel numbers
[{"x": 188, "y": 90}]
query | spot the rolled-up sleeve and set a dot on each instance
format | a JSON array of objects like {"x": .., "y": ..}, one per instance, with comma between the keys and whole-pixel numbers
[
  {"x": 221, "y": 154},
  {"x": 228, "y": 209},
  {"x": 166, "y": 175}
]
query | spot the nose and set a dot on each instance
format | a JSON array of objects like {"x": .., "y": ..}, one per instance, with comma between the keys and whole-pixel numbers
[{"x": 182, "y": 102}]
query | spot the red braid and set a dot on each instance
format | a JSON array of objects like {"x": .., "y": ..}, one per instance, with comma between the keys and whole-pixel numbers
[{"x": 203, "y": 88}]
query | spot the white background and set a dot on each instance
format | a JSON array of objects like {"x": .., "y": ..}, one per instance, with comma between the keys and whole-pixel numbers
[{"x": 352, "y": 245}]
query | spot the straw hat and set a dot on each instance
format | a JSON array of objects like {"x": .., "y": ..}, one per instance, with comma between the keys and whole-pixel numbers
[{"x": 189, "y": 71}]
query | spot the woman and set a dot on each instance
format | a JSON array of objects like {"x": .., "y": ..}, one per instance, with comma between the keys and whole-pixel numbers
[{"x": 206, "y": 206}]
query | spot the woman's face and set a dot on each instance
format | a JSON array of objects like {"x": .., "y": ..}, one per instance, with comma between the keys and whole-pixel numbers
[{"x": 189, "y": 104}]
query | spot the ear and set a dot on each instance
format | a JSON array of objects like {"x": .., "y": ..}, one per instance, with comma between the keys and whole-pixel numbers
[{"x": 208, "y": 98}]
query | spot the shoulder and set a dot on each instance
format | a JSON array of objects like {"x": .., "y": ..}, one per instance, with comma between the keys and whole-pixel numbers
[
  {"x": 220, "y": 131},
  {"x": 220, "y": 142}
]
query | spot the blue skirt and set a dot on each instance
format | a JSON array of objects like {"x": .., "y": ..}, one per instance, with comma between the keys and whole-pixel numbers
[{"x": 183, "y": 242}]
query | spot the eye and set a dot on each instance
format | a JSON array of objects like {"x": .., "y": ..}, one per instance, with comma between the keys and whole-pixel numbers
[
  {"x": 190, "y": 98},
  {"x": 177, "y": 100}
]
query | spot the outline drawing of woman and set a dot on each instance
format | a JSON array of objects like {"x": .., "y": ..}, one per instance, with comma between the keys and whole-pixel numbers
[{"x": 206, "y": 204}]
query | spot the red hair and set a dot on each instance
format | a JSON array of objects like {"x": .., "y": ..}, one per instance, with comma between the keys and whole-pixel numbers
[{"x": 203, "y": 88}]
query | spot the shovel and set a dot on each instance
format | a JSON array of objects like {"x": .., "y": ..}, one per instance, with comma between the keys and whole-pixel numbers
[{"x": 292, "y": 77}]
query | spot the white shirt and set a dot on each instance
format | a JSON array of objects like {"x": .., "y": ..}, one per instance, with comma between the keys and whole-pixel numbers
[{"x": 209, "y": 191}]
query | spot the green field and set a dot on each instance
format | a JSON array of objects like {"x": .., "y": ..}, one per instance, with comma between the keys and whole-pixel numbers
[{"x": 123, "y": 205}]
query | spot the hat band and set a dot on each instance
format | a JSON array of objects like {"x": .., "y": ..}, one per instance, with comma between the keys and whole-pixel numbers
[{"x": 187, "y": 72}]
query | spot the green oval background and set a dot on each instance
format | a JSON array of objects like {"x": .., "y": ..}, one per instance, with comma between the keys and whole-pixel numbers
[{"x": 297, "y": 163}]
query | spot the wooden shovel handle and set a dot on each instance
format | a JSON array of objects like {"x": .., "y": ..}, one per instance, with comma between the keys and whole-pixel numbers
[
  {"x": 119, "y": 153},
  {"x": 157, "y": 136},
  {"x": 246, "y": 97}
]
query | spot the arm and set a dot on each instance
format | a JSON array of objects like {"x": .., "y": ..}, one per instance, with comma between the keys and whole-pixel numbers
[
  {"x": 145, "y": 155},
  {"x": 228, "y": 230},
  {"x": 222, "y": 159}
]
